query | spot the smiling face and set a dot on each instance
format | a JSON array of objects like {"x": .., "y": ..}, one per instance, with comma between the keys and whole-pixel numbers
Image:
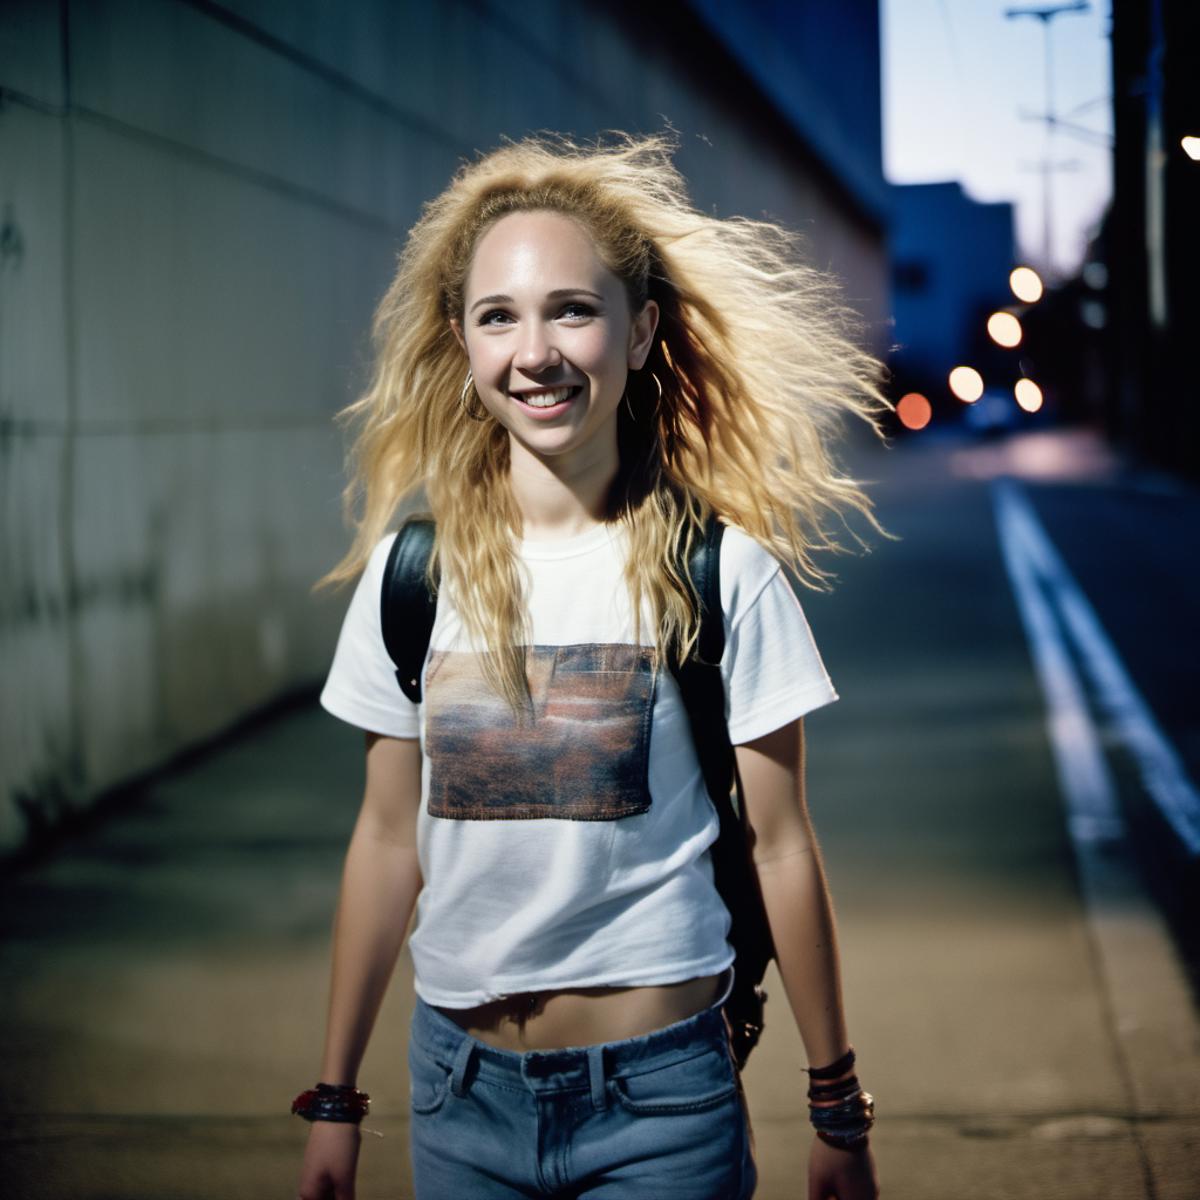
[{"x": 550, "y": 338}]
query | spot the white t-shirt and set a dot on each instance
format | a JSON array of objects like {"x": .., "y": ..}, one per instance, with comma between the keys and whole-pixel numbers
[{"x": 573, "y": 851}]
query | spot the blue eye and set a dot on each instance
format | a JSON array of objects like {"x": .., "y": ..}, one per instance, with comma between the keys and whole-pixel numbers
[{"x": 486, "y": 318}]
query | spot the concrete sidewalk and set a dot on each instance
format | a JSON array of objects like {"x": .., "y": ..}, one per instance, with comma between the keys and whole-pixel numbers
[{"x": 164, "y": 976}]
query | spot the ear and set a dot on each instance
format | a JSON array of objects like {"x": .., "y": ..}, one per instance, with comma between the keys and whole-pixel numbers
[
  {"x": 456, "y": 329},
  {"x": 641, "y": 335}
]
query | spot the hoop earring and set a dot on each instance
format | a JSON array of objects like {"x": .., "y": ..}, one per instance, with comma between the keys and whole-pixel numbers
[
  {"x": 658, "y": 398},
  {"x": 464, "y": 403}
]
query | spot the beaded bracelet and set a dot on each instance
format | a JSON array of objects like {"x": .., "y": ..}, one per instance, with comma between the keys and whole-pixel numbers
[
  {"x": 332, "y": 1102},
  {"x": 846, "y": 1124},
  {"x": 841, "y": 1112},
  {"x": 844, "y": 1143}
]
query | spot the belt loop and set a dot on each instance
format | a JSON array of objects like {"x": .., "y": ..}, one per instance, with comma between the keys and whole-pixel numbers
[
  {"x": 462, "y": 1061},
  {"x": 595, "y": 1057}
]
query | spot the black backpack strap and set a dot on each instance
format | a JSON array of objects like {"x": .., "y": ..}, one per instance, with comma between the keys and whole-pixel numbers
[
  {"x": 699, "y": 678},
  {"x": 407, "y": 605},
  {"x": 706, "y": 578},
  {"x": 703, "y": 691}
]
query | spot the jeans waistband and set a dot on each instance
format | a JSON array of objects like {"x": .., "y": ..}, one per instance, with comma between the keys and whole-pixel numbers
[{"x": 573, "y": 1067}]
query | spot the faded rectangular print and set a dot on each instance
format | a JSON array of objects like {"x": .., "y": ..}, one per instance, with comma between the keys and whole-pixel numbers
[{"x": 584, "y": 756}]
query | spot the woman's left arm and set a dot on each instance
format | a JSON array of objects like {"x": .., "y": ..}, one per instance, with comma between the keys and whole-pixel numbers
[{"x": 800, "y": 912}]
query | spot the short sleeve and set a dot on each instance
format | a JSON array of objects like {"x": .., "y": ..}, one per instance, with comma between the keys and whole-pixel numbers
[
  {"x": 361, "y": 687},
  {"x": 772, "y": 670}
]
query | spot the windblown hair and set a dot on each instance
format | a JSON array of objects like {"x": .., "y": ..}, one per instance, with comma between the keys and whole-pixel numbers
[{"x": 753, "y": 352}]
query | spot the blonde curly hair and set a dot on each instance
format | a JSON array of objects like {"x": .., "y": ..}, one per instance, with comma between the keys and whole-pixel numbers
[{"x": 754, "y": 353}]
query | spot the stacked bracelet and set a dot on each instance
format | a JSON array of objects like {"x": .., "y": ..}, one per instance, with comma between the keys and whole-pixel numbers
[
  {"x": 332, "y": 1102},
  {"x": 840, "y": 1067},
  {"x": 841, "y": 1112}
]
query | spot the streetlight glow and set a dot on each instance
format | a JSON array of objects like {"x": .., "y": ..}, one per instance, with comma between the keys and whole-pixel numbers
[
  {"x": 1191, "y": 147},
  {"x": 914, "y": 411},
  {"x": 1026, "y": 285},
  {"x": 967, "y": 384},
  {"x": 1004, "y": 329},
  {"x": 1028, "y": 394}
]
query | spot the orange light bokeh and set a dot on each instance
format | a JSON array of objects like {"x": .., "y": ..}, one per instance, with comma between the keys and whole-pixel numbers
[
  {"x": 967, "y": 384},
  {"x": 914, "y": 411}
]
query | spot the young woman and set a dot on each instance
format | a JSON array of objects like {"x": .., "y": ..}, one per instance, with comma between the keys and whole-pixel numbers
[{"x": 575, "y": 367}]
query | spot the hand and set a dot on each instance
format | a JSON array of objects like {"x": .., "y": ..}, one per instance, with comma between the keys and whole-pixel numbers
[
  {"x": 836, "y": 1174},
  {"x": 330, "y": 1160}
]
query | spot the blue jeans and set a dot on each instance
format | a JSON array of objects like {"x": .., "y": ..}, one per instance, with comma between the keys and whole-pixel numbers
[{"x": 657, "y": 1117}]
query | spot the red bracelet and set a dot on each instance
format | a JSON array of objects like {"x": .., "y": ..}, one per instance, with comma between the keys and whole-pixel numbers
[{"x": 332, "y": 1102}]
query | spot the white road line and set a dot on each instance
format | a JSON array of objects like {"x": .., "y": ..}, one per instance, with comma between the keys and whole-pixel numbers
[
  {"x": 1093, "y": 813},
  {"x": 1152, "y": 1018},
  {"x": 1162, "y": 772}
]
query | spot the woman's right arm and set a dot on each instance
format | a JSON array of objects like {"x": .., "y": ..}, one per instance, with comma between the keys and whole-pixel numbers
[{"x": 380, "y": 882}]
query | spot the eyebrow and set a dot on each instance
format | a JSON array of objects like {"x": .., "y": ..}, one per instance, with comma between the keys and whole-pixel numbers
[{"x": 557, "y": 294}]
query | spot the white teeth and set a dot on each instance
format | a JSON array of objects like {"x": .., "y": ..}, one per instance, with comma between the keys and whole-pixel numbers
[{"x": 546, "y": 399}]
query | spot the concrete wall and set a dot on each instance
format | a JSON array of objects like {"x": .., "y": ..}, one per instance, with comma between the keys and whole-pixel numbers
[
  {"x": 199, "y": 205},
  {"x": 821, "y": 65}
]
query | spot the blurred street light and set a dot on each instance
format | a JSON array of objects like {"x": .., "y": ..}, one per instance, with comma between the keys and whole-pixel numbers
[
  {"x": 914, "y": 411},
  {"x": 1026, "y": 285},
  {"x": 1029, "y": 395},
  {"x": 967, "y": 384},
  {"x": 1191, "y": 147},
  {"x": 1004, "y": 329}
]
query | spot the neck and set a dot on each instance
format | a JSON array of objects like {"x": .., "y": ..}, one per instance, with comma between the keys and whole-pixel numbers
[{"x": 561, "y": 496}]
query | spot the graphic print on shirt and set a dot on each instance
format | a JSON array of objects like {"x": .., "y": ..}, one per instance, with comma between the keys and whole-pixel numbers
[{"x": 584, "y": 756}]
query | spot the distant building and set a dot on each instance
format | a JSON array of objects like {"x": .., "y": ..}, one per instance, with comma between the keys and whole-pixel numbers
[{"x": 951, "y": 258}]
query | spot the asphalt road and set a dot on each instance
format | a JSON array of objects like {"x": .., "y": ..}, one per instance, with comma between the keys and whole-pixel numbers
[{"x": 1020, "y": 1011}]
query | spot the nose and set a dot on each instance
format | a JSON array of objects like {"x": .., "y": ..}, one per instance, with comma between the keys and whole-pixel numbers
[{"x": 536, "y": 350}]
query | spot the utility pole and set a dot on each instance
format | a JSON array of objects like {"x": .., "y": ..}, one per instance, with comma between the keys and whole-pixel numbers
[{"x": 1046, "y": 14}]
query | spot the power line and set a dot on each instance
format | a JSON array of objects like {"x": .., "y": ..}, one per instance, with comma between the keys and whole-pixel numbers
[{"x": 1046, "y": 14}]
